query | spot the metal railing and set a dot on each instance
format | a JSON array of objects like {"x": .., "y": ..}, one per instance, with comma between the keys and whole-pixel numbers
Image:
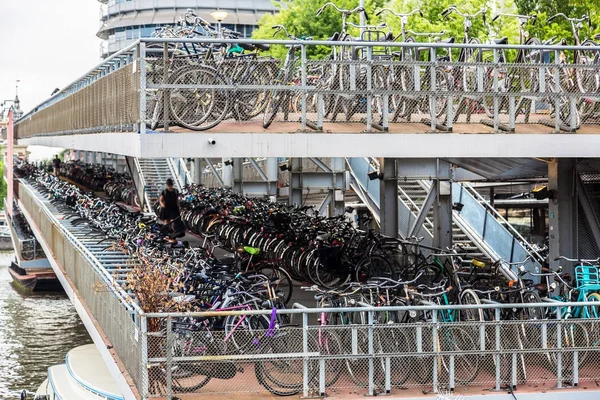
[
  {"x": 484, "y": 225},
  {"x": 312, "y": 358},
  {"x": 373, "y": 85}
]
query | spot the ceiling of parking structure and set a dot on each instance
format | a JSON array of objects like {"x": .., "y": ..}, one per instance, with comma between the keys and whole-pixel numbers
[{"x": 501, "y": 169}]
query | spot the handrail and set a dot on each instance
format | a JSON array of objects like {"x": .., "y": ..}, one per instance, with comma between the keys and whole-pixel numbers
[
  {"x": 504, "y": 222},
  {"x": 104, "y": 274},
  {"x": 142, "y": 182},
  {"x": 97, "y": 68}
]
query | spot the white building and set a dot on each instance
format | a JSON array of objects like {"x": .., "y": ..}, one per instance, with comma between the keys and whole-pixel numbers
[{"x": 124, "y": 21}]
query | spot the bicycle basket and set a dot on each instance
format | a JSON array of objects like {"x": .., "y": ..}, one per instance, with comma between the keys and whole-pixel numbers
[{"x": 587, "y": 275}]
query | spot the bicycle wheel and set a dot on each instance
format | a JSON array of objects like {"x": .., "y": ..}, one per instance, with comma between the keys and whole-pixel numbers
[
  {"x": 280, "y": 280},
  {"x": 592, "y": 311},
  {"x": 469, "y": 297},
  {"x": 374, "y": 266},
  {"x": 466, "y": 366},
  {"x": 198, "y": 109},
  {"x": 186, "y": 377},
  {"x": 272, "y": 107},
  {"x": 244, "y": 330},
  {"x": 585, "y": 71},
  {"x": 282, "y": 377},
  {"x": 574, "y": 336},
  {"x": 533, "y": 313},
  {"x": 469, "y": 72}
]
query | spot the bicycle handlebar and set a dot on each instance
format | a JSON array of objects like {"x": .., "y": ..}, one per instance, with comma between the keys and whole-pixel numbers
[
  {"x": 356, "y": 10},
  {"x": 525, "y": 18},
  {"x": 583, "y": 18},
  {"x": 430, "y": 34},
  {"x": 383, "y": 25},
  {"x": 399, "y": 15},
  {"x": 578, "y": 260},
  {"x": 279, "y": 28},
  {"x": 453, "y": 8}
]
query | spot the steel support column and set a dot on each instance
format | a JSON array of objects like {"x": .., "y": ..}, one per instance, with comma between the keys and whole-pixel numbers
[
  {"x": 227, "y": 173},
  {"x": 295, "y": 190},
  {"x": 389, "y": 198},
  {"x": 442, "y": 215},
  {"x": 197, "y": 175},
  {"x": 272, "y": 173},
  {"x": 238, "y": 176},
  {"x": 337, "y": 203},
  {"x": 560, "y": 208}
]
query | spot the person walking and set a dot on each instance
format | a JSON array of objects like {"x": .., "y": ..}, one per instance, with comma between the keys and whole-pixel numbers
[
  {"x": 169, "y": 212},
  {"x": 56, "y": 164}
]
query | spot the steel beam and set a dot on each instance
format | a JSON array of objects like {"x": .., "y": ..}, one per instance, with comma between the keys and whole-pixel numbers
[
  {"x": 282, "y": 144},
  {"x": 432, "y": 196},
  {"x": 388, "y": 213},
  {"x": 560, "y": 209}
]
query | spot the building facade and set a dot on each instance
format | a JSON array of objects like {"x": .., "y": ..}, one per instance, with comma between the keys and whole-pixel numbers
[{"x": 124, "y": 21}]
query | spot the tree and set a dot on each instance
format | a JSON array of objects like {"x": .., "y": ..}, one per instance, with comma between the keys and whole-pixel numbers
[
  {"x": 299, "y": 17},
  {"x": 433, "y": 21},
  {"x": 560, "y": 27}
]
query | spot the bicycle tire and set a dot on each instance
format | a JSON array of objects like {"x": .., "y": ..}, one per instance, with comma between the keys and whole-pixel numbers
[
  {"x": 466, "y": 366},
  {"x": 469, "y": 297},
  {"x": 273, "y": 271},
  {"x": 272, "y": 108},
  {"x": 374, "y": 266}
]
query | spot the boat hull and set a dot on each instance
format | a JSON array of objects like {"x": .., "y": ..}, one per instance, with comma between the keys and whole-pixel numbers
[{"x": 37, "y": 280}]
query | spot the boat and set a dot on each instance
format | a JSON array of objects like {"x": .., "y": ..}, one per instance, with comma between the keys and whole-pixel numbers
[
  {"x": 83, "y": 376},
  {"x": 36, "y": 279}
]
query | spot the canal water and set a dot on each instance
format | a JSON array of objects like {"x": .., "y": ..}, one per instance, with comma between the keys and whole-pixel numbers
[{"x": 36, "y": 331}]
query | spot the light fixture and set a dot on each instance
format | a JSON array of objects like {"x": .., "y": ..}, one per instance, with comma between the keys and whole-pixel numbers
[
  {"x": 284, "y": 167},
  {"x": 219, "y": 15},
  {"x": 375, "y": 175},
  {"x": 458, "y": 206},
  {"x": 228, "y": 162}
]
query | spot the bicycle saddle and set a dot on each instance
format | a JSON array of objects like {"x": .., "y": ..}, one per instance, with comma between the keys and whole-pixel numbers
[
  {"x": 262, "y": 46},
  {"x": 502, "y": 40},
  {"x": 334, "y": 38},
  {"x": 247, "y": 46},
  {"x": 253, "y": 251},
  {"x": 323, "y": 237},
  {"x": 541, "y": 287},
  {"x": 449, "y": 40}
]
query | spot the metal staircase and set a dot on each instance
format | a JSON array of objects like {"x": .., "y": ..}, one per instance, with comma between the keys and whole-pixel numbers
[
  {"x": 154, "y": 173},
  {"x": 477, "y": 227}
]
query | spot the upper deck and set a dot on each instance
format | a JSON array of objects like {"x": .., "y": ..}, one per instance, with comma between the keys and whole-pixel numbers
[{"x": 159, "y": 98}]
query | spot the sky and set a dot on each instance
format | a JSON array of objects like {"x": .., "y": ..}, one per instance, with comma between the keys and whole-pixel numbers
[{"x": 46, "y": 44}]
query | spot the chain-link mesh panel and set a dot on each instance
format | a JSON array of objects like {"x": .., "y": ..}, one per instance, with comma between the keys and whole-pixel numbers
[
  {"x": 114, "y": 318},
  {"x": 111, "y": 103},
  {"x": 379, "y": 89}
]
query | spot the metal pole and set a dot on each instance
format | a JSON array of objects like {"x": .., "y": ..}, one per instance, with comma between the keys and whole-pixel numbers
[
  {"x": 165, "y": 94},
  {"x": 169, "y": 356},
  {"x": 141, "y": 52},
  {"x": 304, "y": 94}
]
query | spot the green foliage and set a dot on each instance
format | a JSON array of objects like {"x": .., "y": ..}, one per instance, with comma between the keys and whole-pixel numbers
[
  {"x": 560, "y": 27},
  {"x": 299, "y": 17}
]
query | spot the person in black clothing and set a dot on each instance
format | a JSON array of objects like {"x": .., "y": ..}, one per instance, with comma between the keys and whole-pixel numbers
[
  {"x": 56, "y": 165},
  {"x": 169, "y": 203}
]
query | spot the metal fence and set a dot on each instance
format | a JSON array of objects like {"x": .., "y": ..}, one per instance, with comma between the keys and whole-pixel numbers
[
  {"x": 311, "y": 351},
  {"x": 374, "y": 84},
  {"x": 115, "y": 312},
  {"x": 104, "y": 100},
  {"x": 324, "y": 85},
  {"x": 313, "y": 358}
]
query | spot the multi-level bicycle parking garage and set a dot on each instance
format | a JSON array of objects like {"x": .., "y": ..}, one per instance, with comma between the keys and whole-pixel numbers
[{"x": 411, "y": 131}]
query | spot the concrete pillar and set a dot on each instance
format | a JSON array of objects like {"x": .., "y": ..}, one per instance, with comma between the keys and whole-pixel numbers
[
  {"x": 295, "y": 194},
  {"x": 227, "y": 173},
  {"x": 238, "y": 175},
  {"x": 337, "y": 203},
  {"x": 197, "y": 167},
  {"x": 272, "y": 172},
  {"x": 77, "y": 155},
  {"x": 560, "y": 208},
  {"x": 389, "y": 198}
]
